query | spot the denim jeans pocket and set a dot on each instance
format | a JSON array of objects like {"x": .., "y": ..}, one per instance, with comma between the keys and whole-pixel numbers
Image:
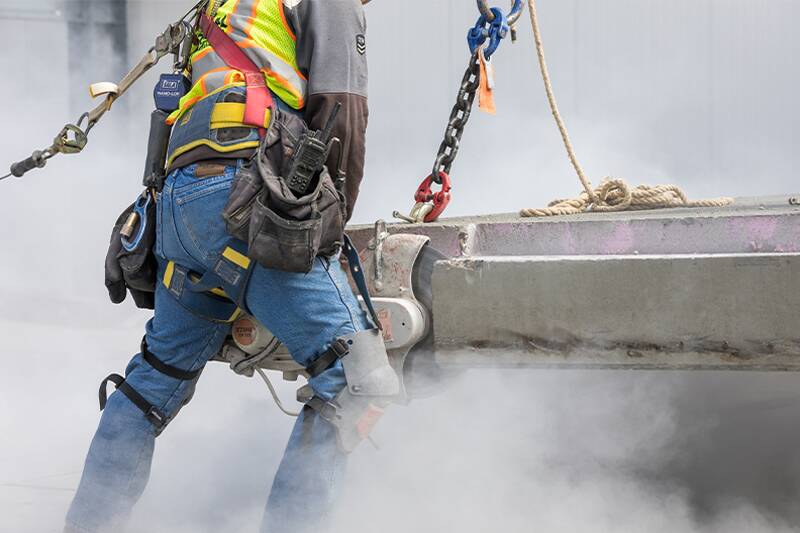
[{"x": 198, "y": 207}]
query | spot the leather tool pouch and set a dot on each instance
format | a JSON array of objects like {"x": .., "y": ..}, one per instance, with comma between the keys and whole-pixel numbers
[
  {"x": 284, "y": 232},
  {"x": 130, "y": 261}
]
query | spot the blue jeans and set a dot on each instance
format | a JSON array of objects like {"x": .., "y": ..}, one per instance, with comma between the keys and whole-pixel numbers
[{"x": 305, "y": 311}]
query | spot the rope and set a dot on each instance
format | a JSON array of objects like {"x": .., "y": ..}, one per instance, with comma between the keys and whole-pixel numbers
[{"x": 612, "y": 194}]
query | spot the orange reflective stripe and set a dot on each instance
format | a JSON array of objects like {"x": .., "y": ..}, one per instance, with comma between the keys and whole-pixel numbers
[
  {"x": 234, "y": 7},
  {"x": 261, "y": 28},
  {"x": 253, "y": 15},
  {"x": 201, "y": 54},
  {"x": 284, "y": 83},
  {"x": 282, "y": 11}
]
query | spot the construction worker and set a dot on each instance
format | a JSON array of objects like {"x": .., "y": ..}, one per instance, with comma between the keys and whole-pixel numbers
[{"x": 312, "y": 56}]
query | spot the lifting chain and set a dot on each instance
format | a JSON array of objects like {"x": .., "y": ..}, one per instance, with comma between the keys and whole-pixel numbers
[
  {"x": 459, "y": 117},
  {"x": 492, "y": 27},
  {"x": 430, "y": 205}
]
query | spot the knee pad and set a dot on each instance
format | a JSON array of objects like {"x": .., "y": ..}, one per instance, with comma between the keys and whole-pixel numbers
[
  {"x": 366, "y": 365},
  {"x": 353, "y": 417},
  {"x": 372, "y": 384}
]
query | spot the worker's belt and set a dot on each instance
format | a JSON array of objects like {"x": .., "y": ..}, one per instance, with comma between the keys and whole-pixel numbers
[
  {"x": 217, "y": 122},
  {"x": 151, "y": 412},
  {"x": 218, "y": 295}
]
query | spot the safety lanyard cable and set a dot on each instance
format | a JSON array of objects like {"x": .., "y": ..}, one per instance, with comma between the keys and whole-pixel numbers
[{"x": 73, "y": 138}]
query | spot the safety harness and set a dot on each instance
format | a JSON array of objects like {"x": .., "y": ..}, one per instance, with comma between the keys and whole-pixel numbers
[
  {"x": 219, "y": 294},
  {"x": 259, "y": 99},
  {"x": 151, "y": 412}
]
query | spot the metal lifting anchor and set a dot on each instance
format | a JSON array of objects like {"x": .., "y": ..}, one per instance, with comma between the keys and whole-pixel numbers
[
  {"x": 492, "y": 25},
  {"x": 72, "y": 139}
]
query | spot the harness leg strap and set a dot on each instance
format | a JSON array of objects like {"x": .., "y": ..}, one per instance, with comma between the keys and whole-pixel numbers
[
  {"x": 151, "y": 412},
  {"x": 167, "y": 370}
]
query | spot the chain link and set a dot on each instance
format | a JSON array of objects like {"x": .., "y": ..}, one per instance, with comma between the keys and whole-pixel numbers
[{"x": 459, "y": 117}]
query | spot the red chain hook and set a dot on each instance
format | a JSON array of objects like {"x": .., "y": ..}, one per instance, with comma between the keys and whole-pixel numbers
[{"x": 440, "y": 200}]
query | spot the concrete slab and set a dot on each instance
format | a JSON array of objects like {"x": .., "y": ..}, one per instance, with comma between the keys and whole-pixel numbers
[
  {"x": 751, "y": 225},
  {"x": 737, "y": 311}
]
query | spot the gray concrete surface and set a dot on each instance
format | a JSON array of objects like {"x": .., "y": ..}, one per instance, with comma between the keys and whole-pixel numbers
[{"x": 731, "y": 311}]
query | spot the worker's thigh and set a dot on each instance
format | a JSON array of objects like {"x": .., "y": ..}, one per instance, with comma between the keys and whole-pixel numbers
[
  {"x": 181, "y": 340},
  {"x": 189, "y": 231},
  {"x": 306, "y": 312}
]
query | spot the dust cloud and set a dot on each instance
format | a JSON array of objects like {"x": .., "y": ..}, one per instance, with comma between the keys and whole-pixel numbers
[{"x": 697, "y": 93}]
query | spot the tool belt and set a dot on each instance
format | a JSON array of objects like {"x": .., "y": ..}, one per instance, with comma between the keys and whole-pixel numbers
[{"x": 283, "y": 231}]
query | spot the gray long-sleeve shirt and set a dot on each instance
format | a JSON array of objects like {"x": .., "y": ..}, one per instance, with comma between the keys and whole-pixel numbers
[{"x": 331, "y": 53}]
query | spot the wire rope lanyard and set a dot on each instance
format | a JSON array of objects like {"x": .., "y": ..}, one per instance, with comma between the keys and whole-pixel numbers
[
  {"x": 483, "y": 38},
  {"x": 72, "y": 139}
]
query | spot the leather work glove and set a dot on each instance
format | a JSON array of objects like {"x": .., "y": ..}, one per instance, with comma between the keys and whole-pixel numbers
[
  {"x": 115, "y": 281},
  {"x": 133, "y": 271}
]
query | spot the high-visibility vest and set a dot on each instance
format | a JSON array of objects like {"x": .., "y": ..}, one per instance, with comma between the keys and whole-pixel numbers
[{"x": 261, "y": 30}]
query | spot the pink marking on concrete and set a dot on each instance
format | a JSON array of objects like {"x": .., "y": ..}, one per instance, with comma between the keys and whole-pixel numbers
[
  {"x": 757, "y": 229},
  {"x": 621, "y": 240},
  {"x": 569, "y": 239}
]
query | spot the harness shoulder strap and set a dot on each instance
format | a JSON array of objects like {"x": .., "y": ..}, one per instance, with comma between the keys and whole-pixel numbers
[{"x": 259, "y": 98}]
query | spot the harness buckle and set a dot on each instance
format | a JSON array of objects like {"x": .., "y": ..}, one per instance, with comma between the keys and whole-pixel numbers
[{"x": 156, "y": 417}]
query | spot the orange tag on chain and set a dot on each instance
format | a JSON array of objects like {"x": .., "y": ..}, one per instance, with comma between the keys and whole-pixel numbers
[{"x": 486, "y": 89}]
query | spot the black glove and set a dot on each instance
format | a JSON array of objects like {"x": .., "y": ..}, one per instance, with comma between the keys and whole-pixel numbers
[
  {"x": 133, "y": 271},
  {"x": 115, "y": 281}
]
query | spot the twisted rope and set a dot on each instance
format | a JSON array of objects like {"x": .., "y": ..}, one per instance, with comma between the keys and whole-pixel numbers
[{"x": 612, "y": 194}]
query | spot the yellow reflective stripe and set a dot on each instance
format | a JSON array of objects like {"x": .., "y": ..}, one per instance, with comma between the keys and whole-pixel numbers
[
  {"x": 168, "y": 274},
  {"x": 220, "y": 293},
  {"x": 236, "y": 258},
  {"x": 227, "y": 112},
  {"x": 231, "y": 115},
  {"x": 236, "y": 315},
  {"x": 211, "y": 144}
]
